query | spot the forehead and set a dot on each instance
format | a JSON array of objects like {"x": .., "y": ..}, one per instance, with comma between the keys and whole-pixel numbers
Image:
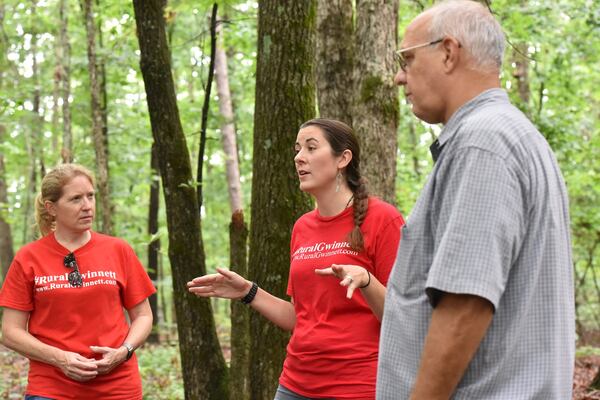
[
  {"x": 417, "y": 31},
  {"x": 78, "y": 183},
  {"x": 310, "y": 132}
]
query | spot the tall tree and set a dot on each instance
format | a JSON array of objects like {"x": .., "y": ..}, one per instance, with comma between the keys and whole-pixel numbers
[
  {"x": 65, "y": 79},
  {"x": 335, "y": 59},
  {"x": 238, "y": 231},
  {"x": 6, "y": 242},
  {"x": 284, "y": 98},
  {"x": 99, "y": 132},
  {"x": 6, "y": 239},
  {"x": 154, "y": 245},
  {"x": 375, "y": 95},
  {"x": 203, "y": 365}
]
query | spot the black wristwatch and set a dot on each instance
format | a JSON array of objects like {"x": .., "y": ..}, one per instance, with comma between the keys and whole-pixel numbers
[{"x": 129, "y": 348}]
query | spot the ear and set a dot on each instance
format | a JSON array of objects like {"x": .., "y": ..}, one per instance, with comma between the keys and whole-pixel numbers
[
  {"x": 345, "y": 159},
  {"x": 50, "y": 208},
  {"x": 452, "y": 53}
]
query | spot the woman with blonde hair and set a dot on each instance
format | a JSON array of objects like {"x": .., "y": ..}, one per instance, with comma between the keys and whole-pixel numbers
[{"x": 64, "y": 296}]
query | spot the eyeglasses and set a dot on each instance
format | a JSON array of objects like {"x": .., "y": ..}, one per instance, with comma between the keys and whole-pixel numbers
[
  {"x": 75, "y": 278},
  {"x": 400, "y": 57}
]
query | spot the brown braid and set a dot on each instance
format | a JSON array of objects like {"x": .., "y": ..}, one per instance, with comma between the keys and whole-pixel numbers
[{"x": 341, "y": 137}]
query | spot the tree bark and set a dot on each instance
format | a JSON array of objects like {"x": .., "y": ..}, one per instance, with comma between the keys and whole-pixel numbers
[
  {"x": 203, "y": 365},
  {"x": 227, "y": 127},
  {"x": 65, "y": 85},
  {"x": 6, "y": 242},
  {"x": 154, "y": 246},
  {"x": 205, "y": 106},
  {"x": 335, "y": 59},
  {"x": 98, "y": 129},
  {"x": 240, "y": 313},
  {"x": 375, "y": 95},
  {"x": 285, "y": 97}
]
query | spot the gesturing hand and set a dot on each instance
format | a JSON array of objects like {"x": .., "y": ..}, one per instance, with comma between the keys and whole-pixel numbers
[
  {"x": 111, "y": 358},
  {"x": 77, "y": 367},
  {"x": 352, "y": 276},
  {"x": 225, "y": 284}
]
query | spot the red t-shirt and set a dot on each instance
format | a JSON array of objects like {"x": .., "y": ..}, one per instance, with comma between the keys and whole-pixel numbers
[
  {"x": 73, "y": 319},
  {"x": 333, "y": 350}
]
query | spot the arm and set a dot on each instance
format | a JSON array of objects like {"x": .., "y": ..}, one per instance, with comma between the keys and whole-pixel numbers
[
  {"x": 458, "y": 324},
  {"x": 15, "y": 336},
  {"x": 229, "y": 285},
  {"x": 353, "y": 277},
  {"x": 141, "y": 325}
]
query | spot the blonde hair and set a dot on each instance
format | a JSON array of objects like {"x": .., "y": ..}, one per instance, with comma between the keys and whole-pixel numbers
[{"x": 52, "y": 189}]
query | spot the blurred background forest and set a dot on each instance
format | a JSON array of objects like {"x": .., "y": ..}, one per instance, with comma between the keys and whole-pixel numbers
[{"x": 71, "y": 88}]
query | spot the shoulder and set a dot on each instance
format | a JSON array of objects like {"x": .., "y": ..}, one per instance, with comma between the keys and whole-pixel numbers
[
  {"x": 306, "y": 218},
  {"x": 381, "y": 213},
  {"x": 106, "y": 241},
  {"x": 378, "y": 207},
  {"x": 38, "y": 246},
  {"x": 498, "y": 128}
]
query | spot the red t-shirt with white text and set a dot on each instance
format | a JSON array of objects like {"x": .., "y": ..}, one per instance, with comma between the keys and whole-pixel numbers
[
  {"x": 75, "y": 318},
  {"x": 334, "y": 347}
]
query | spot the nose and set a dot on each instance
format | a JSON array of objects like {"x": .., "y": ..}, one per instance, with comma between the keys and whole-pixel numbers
[
  {"x": 400, "y": 78},
  {"x": 88, "y": 203},
  {"x": 299, "y": 157}
]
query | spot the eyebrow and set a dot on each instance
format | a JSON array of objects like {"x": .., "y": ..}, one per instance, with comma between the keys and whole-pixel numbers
[{"x": 308, "y": 140}]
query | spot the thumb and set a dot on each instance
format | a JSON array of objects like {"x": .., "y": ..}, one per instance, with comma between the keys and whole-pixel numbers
[
  {"x": 100, "y": 349},
  {"x": 324, "y": 271},
  {"x": 226, "y": 273}
]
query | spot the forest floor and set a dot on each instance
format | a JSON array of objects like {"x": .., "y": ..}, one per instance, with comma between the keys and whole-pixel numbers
[{"x": 160, "y": 370}]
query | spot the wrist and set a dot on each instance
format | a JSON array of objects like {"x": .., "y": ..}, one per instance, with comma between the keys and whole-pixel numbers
[
  {"x": 368, "y": 280},
  {"x": 128, "y": 350},
  {"x": 247, "y": 299}
]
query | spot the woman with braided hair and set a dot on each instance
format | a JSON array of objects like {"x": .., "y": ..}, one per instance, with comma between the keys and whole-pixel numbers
[{"x": 347, "y": 243}]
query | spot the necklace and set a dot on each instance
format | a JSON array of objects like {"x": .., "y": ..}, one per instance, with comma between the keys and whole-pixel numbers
[{"x": 349, "y": 200}]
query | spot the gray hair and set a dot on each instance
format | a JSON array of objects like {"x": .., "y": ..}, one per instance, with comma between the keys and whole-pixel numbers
[{"x": 473, "y": 26}]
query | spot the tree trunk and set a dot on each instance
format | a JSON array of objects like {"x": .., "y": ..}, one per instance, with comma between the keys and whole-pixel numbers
[
  {"x": 240, "y": 313},
  {"x": 285, "y": 97},
  {"x": 154, "y": 246},
  {"x": 375, "y": 95},
  {"x": 238, "y": 230},
  {"x": 203, "y": 365},
  {"x": 98, "y": 129},
  {"x": 6, "y": 242},
  {"x": 227, "y": 127},
  {"x": 334, "y": 59},
  {"x": 65, "y": 86}
]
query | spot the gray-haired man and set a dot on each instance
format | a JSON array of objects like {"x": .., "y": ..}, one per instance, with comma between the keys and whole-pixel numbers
[{"x": 480, "y": 303}]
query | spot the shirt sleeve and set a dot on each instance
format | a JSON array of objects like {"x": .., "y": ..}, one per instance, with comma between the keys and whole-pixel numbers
[
  {"x": 17, "y": 290},
  {"x": 139, "y": 286},
  {"x": 477, "y": 224},
  {"x": 386, "y": 247}
]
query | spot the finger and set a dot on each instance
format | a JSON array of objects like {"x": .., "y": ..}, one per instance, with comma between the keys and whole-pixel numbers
[
  {"x": 346, "y": 280},
  {"x": 202, "y": 280},
  {"x": 203, "y": 290},
  {"x": 350, "y": 290},
  {"x": 325, "y": 271},
  {"x": 338, "y": 268}
]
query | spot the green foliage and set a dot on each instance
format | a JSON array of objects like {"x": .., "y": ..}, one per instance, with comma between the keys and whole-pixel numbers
[{"x": 161, "y": 372}]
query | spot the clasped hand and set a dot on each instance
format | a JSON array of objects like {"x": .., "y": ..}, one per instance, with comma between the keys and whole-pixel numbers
[{"x": 352, "y": 276}]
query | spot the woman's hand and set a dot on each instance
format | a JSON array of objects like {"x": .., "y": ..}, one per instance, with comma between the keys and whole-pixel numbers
[
  {"x": 352, "y": 276},
  {"x": 225, "y": 284},
  {"x": 77, "y": 367},
  {"x": 111, "y": 358}
]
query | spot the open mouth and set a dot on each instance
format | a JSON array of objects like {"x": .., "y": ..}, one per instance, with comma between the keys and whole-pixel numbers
[{"x": 303, "y": 173}]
